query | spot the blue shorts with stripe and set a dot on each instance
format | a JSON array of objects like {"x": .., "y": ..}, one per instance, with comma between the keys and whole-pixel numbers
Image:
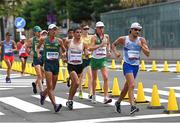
[{"x": 127, "y": 68}]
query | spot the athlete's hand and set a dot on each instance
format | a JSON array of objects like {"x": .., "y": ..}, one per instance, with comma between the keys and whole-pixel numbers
[
  {"x": 117, "y": 54},
  {"x": 109, "y": 54},
  {"x": 39, "y": 55}
]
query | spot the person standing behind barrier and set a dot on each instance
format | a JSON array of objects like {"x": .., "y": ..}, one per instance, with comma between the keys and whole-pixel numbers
[
  {"x": 23, "y": 54},
  {"x": 37, "y": 62},
  {"x": 86, "y": 38},
  {"x": 52, "y": 47},
  {"x": 133, "y": 44},
  {"x": 101, "y": 50},
  {"x": 75, "y": 49},
  {"x": 9, "y": 46}
]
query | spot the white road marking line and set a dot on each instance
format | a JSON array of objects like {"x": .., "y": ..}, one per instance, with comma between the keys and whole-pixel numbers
[
  {"x": 166, "y": 93},
  {"x": 5, "y": 88},
  {"x": 128, "y": 118},
  {"x": 176, "y": 88},
  {"x": 1, "y": 113},
  {"x": 14, "y": 86},
  {"x": 59, "y": 100},
  {"x": 101, "y": 99},
  {"x": 22, "y": 105}
]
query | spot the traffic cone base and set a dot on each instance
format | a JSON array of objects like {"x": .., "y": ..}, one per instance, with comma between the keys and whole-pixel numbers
[
  {"x": 171, "y": 112},
  {"x": 155, "y": 107},
  {"x": 141, "y": 101}
]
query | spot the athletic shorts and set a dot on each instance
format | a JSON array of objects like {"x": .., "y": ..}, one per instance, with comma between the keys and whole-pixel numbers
[
  {"x": 10, "y": 58},
  {"x": 37, "y": 61},
  {"x": 25, "y": 57},
  {"x": 98, "y": 63},
  {"x": 77, "y": 68},
  {"x": 52, "y": 66},
  {"x": 86, "y": 62},
  {"x": 127, "y": 68}
]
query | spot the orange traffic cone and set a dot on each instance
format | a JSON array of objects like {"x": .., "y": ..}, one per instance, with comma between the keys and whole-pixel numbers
[
  {"x": 140, "y": 94},
  {"x": 155, "y": 100},
  {"x": 172, "y": 103},
  {"x": 115, "y": 88}
]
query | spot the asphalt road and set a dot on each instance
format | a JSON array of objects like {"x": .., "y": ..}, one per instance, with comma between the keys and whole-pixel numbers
[{"x": 19, "y": 104}]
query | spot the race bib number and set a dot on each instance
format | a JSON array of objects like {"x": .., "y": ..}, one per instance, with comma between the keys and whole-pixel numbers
[
  {"x": 52, "y": 55},
  {"x": 101, "y": 51},
  {"x": 22, "y": 50},
  {"x": 75, "y": 56},
  {"x": 133, "y": 54},
  {"x": 8, "y": 50}
]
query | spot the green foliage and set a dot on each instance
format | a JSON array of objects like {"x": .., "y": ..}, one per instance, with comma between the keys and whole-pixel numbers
[
  {"x": 35, "y": 13},
  {"x": 11, "y": 7}
]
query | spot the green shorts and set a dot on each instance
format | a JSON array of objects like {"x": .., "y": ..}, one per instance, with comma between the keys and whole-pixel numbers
[
  {"x": 98, "y": 63},
  {"x": 52, "y": 66}
]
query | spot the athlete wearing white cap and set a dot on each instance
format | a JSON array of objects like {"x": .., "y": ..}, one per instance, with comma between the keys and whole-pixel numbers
[{"x": 132, "y": 46}]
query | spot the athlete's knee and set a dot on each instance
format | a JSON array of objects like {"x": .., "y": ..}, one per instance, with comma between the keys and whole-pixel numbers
[
  {"x": 39, "y": 76},
  {"x": 131, "y": 85}
]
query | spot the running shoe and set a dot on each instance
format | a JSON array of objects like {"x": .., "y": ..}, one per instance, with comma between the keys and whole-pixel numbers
[
  {"x": 106, "y": 101},
  {"x": 8, "y": 80},
  {"x": 69, "y": 104},
  {"x": 133, "y": 110},
  {"x": 68, "y": 82},
  {"x": 57, "y": 108},
  {"x": 34, "y": 88},
  {"x": 42, "y": 98},
  {"x": 117, "y": 107},
  {"x": 80, "y": 95},
  {"x": 93, "y": 100},
  {"x": 90, "y": 96}
]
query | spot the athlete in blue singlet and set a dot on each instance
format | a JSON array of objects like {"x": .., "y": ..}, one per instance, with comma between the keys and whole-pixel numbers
[{"x": 132, "y": 46}]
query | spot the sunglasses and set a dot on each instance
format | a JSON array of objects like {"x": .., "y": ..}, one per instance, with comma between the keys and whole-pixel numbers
[
  {"x": 86, "y": 29},
  {"x": 78, "y": 32},
  {"x": 137, "y": 29}
]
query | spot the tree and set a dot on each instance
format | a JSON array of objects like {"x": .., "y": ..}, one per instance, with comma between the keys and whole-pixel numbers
[
  {"x": 35, "y": 13},
  {"x": 100, "y": 6}
]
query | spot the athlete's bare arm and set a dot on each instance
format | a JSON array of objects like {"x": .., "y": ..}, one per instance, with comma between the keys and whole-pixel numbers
[
  {"x": 93, "y": 44},
  {"x": 144, "y": 46},
  {"x": 14, "y": 46},
  {"x": 41, "y": 42},
  {"x": 119, "y": 41}
]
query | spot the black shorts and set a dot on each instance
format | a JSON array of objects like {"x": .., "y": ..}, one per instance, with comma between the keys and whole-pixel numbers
[
  {"x": 86, "y": 62},
  {"x": 77, "y": 68},
  {"x": 52, "y": 66},
  {"x": 25, "y": 57}
]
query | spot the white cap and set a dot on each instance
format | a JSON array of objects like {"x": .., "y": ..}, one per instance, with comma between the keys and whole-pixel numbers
[
  {"x": 43, "y": 31},
  {"x": 51, "y": 26},
  {"x": 23, "y": 37},
  {"x": 99, "y": 24},
  {"x": 136, "y": 25}
]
